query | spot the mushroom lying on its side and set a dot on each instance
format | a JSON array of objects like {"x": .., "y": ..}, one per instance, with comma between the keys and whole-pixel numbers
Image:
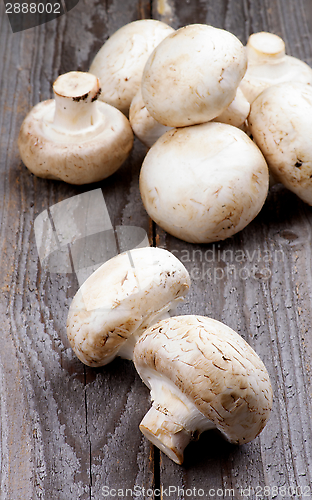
[
  {"x": 202, "y": 375},
  {"x": 148, "y": 130},
  {"x": 269, "y": 65},
  {"x": 120, "y": 62},
  {"x": 192, "y": 76},
  {"x": 120, "y": 300},
  {"x": 280, "y": 121},
  {"x": 74, "y": 137},
  {"x": 204, "y": 183}
]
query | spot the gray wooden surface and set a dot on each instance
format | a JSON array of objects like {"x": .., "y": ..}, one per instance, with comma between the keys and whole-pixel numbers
[{"x": 70, "y": 432}]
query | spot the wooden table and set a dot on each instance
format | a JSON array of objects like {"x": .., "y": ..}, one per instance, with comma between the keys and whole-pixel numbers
[{"x": 71, "y": 432}]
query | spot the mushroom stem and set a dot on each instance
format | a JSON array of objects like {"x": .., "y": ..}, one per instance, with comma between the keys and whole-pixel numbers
[
  {"x": 166, "y": 434},
  {"x": 173, "y": 420},
  {"x": 75, "y": 101},
  {"x": 265, "y": 48}
]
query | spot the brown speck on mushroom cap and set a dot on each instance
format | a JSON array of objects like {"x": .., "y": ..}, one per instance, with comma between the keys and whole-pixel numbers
[{"x": 212, "y": 370}]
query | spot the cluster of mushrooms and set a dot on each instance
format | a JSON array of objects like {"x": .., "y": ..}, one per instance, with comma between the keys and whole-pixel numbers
[{"x": 218, "y": 120}]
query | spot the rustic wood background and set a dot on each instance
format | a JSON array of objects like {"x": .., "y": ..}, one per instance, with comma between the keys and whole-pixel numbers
[{"x": 68, "y": 431}]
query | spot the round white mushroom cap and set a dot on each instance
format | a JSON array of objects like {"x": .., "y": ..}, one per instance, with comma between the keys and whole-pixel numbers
[
  {"x": 202, "y": 375},
  {"x": 204, "y": 183},
  {"x": 269, "y": 65},
  {"x": 120, "y": 62},
  {"x": 74, "y": 137},
  {"x": 121, "y": 299},
  {"x": 280, "y": 121},
  {"x": 192, "y": 76}
]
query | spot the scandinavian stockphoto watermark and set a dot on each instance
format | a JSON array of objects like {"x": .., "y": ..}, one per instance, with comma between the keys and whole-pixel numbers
[
  {"x": 77, "y": 236},
  {"x": 25, "y": 14},
  {"x": 216, "y": 264}
]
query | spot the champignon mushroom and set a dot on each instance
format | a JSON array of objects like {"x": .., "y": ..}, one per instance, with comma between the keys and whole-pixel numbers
[
  {"x": 204, "y": 183},
  {"x": 148, "y": 130},
  {"x": 280, "y": 121},
  {"x": 74, "y": 137},
  {"x": 269, "y": 65},
  {"x": 120, "y": 62},
  {"x": 193, "y": 74},
  {"x": 120, "y": 300},
  {"x": 202, "y": 375}
]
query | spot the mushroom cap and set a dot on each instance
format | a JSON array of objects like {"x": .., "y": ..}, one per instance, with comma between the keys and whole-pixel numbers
[
  {"x": 204, "y": 183},
  {"x": 192, "y": 76},
  {"x": 120, "y": 299},
  {"x": 78, "y": 159},
  {"x": 280, "y": 121},
  {"x": 269, "y": 65},
  {"x": 120, "y": 62},
  {"x": 213, "y": 367}
]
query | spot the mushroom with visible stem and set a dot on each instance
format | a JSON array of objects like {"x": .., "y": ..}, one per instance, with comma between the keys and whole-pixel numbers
[
  {"x": 269, "y": 65},
  {"x": 120, "y": 62},
  {"x": 121, "y": 299},
  {"x": 216, "y": 184},
  {"x": 192, "y": 76},
  {"x": 148, "y": 130},
  {"x": 73, "y": 137},
  {"x": 280, "y": 121},
  {"x": 202, "y": 375}
]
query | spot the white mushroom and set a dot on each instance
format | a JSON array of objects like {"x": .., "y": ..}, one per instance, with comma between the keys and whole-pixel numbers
[
  {"x": 120, "y": 300},
  {"x": 204, "y": 183},
  {"x": 120, "y": 62},
  {"x": 280, "y": 121},
  {"x": 269, "y": 65},
  {"x": 192, "y": 76},
  {"x": 202, "y": 375},
  {"x": 74, "y": 137},
  {"x": 148, "y": 130}
]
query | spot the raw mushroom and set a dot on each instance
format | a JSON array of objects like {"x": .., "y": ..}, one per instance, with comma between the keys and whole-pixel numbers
[
  {"x": 74, "y": 137},
  {"x": 120, "y": 62},
  {"x": 204, "y": 183},
  {"x": 192, "y": 76},
  {"x": 148, "y": 130},
  {"x": 280, "y": 121},
  {"x": 120, "y": 300},
  {"x": 202, "y": 375},
  {"x": 269, "y": 65}
]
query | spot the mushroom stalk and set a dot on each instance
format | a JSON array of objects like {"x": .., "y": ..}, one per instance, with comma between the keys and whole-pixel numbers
[
  {"x": 265, "y": 48},
  {"x": 75, "y": 103},
  {"x": 173, "y": 420}
]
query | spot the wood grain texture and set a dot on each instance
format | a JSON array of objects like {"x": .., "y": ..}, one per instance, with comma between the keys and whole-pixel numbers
[{"x": 67, "y": 430}]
